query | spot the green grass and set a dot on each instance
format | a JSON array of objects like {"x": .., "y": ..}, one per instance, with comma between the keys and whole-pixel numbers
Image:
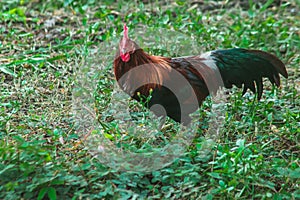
[{"x": 42, "y": 154}]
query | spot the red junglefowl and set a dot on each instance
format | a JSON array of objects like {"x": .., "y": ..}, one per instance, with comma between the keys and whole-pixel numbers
[{"x": 158, "y": 76}]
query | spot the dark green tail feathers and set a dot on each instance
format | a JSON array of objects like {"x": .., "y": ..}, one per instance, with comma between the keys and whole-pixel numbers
[{"x": 248, "y": 67}]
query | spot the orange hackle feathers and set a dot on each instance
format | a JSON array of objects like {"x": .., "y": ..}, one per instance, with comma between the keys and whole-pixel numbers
[{"x": 153, "y": 70}]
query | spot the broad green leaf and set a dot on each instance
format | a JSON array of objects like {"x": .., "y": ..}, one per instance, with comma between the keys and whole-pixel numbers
[
  {"x": 52, "y": 193},
  {"x": 42, "y": 193}
]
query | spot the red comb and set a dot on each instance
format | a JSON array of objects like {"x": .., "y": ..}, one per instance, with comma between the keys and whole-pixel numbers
[{"x": 125, "y": 31}]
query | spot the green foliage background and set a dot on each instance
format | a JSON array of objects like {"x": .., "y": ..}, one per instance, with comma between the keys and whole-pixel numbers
[{"x": 42, "y": 155}]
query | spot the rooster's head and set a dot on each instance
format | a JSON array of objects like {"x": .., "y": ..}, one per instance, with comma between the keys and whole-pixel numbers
[{"x": 126, "y": 46}]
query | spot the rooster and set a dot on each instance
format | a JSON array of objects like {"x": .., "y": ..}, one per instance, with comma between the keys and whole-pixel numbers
[{"x": 178, "y": 86}]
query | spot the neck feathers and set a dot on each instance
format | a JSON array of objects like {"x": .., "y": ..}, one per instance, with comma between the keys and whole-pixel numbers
[{"x": 142, "y": 72}]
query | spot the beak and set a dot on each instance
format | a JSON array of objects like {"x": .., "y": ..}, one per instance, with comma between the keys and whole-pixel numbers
[{"x": 123, "y": 51}]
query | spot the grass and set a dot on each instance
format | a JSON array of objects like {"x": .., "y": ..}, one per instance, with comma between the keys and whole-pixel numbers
[{"x": 42, "y": 153}]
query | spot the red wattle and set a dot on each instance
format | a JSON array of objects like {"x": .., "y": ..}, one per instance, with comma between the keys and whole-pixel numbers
[{"x": 125, "y": 57}]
